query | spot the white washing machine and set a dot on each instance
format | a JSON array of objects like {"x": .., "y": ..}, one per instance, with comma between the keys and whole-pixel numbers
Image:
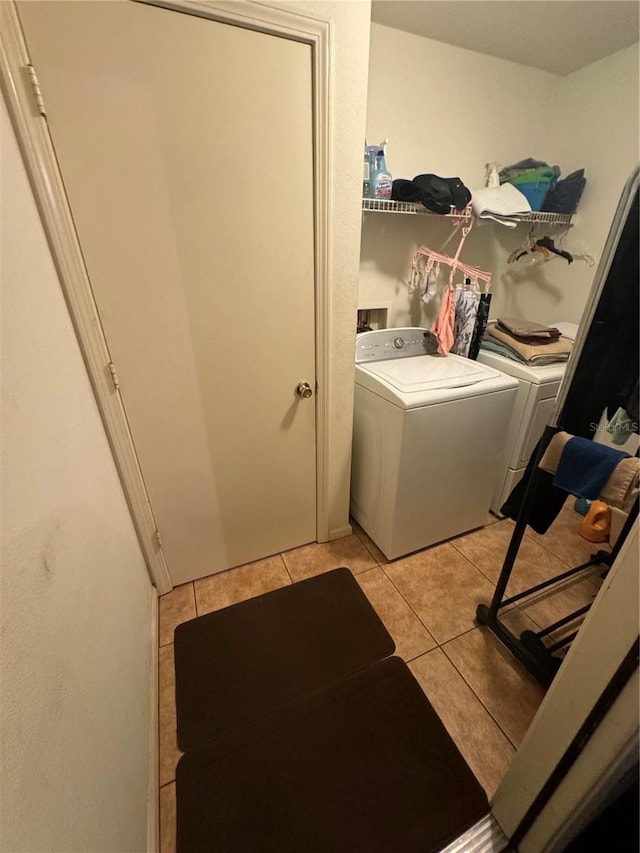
[
  {"x": 428, "y": 436},
  {"x": 537, "y": 391}
]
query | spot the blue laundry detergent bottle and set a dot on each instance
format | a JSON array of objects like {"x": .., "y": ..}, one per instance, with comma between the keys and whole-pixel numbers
[{"x": 381, "y": 180}]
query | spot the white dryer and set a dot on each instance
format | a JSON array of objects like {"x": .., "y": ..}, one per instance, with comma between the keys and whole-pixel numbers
[
  {"x": 537, "y": 392},
  {"x": 428, "y": 436}
]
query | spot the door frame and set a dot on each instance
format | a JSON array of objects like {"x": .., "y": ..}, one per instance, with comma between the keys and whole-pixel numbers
[
  {"x": 584, "y": 736},
  {"x": 28, "y": 115}
]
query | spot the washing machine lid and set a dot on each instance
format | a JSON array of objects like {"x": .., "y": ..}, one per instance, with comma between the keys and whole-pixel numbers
[{"x": 425, "y": 379}]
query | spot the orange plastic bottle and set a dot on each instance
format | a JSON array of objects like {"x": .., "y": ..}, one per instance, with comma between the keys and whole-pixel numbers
[{"x": 596, "y": 524}]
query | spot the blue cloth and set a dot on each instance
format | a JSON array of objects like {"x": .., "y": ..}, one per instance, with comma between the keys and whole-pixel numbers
[
  {"x": 585, "y": 466},
  {"x": 501, "y": 350}
]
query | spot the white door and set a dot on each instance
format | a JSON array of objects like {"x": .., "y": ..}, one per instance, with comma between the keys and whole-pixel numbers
[{"x": 186, "y": 150}]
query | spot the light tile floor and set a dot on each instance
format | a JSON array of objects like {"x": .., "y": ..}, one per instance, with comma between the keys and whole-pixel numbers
[{"x": 427, "y": 601}]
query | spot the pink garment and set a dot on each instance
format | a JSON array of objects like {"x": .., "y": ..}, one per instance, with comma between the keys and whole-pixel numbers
[{"x": 443, "y": 326}]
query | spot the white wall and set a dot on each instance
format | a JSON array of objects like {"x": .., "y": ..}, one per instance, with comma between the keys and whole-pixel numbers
[
  {"x": 596, "y": 127},
  {"x": 76, "y": 653},
  {"x": 349, "y": 22},
  {"x": 448, "y": 110}
]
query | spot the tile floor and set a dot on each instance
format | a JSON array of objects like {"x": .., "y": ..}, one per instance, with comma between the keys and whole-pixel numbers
[{"x": 427, "y": 601}]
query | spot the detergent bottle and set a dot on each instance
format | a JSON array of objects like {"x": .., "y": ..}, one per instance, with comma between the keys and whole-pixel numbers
[
  {"x": 596, "y": 524},
  {"x": 366, "y": 174},
  {"x": 493, "y": 178},
  {"x": 381, "y": 180}
]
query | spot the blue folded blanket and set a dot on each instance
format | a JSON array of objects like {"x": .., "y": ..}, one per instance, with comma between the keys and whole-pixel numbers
[
  {"x": 585, "y": 466},
  {"x": 491, "y": 346}
]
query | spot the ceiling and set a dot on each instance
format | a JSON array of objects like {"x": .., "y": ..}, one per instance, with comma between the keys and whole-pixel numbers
[{"x": 560, "y": 36}]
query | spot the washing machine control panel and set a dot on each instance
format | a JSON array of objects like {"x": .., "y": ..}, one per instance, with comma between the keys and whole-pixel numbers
[{"x": 382, "y": 344}]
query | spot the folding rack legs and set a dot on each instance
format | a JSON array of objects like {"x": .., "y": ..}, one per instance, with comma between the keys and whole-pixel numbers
[{"x": 529, "y": 648}]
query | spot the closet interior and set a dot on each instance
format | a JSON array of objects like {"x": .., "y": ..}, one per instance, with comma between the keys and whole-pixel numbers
[
  {"x": 447, "y": 110},
  {"x": 602, "y": 373},
  {"x": 420, "y": 268}
]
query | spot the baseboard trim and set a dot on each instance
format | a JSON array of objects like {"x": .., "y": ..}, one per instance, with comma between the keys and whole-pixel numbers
[
  {"x": 340, "y": 532},
  {"x": 153, "y": 809}
]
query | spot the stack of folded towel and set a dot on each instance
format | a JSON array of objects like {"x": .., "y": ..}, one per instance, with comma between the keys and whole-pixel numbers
[
  {"x": 591, "y": 470},
  {"x": 526, "y": 342}
]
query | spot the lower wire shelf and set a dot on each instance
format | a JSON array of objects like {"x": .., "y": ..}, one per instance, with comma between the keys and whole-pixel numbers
[{"x": 529, "y": 648}]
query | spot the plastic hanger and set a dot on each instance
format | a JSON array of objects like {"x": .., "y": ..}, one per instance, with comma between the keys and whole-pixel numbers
[
  {"x": 548, "y": 243},
  {"x": 543, "y": 249}
]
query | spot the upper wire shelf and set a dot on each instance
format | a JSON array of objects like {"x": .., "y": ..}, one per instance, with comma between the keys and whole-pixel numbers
[
  {"x": 383, "y": 205},
  {"x": 553, "y": 218}
]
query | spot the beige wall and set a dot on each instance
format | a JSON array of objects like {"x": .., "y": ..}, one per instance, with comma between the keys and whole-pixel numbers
[
  {"x": 449, "y": 110},
  {"x": 349, "y": 22},
  {"x": 596, "y": 127},
  {"x": 75, "y": 659}
]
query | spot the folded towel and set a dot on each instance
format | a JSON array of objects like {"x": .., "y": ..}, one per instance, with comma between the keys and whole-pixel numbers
[
  {"x": 500, "y": 349},
  {"x": 622, "y": 487},
  {"x": 528, "y": 330},
  {"x": 542, "y": 338},
  {"x": 585, "y": 466},
  {"x": 551, "y": 457},
  {"x": 536, "y": 360},
  {"x": 504, "y": 204},
  {"x": 548, "y": 352}
]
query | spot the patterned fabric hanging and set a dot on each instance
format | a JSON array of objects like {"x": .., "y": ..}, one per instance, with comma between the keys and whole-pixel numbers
[
  {"x": 467, "y": 301},
  {"x": 481, "y": 325},
  {"x": 424, "y": 280}
]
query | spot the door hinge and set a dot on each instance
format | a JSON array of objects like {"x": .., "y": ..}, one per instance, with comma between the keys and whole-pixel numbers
[
  {"x": 158, "y": 538},
  {"x": 114, "y": 375},
  {"x": 37, "y": 92}
]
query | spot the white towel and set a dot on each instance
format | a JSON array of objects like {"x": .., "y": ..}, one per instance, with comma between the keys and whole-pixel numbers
[{"x": 505, "y": 204}]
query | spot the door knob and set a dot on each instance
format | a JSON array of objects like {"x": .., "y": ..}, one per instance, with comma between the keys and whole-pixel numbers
[{"x": 304, "y": 390}]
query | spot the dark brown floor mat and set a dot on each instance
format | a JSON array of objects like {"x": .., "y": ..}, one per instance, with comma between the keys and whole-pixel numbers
[
  {"x": 364, "y": 766},
  {"x": 234, "y": 664}
]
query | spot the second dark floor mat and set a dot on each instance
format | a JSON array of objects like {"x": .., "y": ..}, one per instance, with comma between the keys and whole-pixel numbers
[{"x": 364, "y": 766}]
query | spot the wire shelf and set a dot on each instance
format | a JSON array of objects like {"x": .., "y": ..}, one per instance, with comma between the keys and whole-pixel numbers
[
  {"x": 552, "y": 218},
  {"x": 383, "y": 205}
]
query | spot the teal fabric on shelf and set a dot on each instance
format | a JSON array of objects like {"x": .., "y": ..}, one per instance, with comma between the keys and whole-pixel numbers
[{"x": 505, "y": 351}]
